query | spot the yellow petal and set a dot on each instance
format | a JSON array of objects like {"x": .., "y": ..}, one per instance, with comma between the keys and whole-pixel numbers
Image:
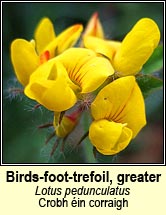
[
  {"x": 44, "y": 34},
  {"x": 52, "y": 70},
  {"x": 137, "y": 47},
  {"x": 24, "y": 59},
  {"x": 107, "y": 48},
  {"x": 54, "y": 98},
  {"x": 109, "y": 137},
  {"x": 51, "y": 87},
  {"x": 94, "y": 73},
  {"x": 122, "y": 102},
  {"x": 86, "y": 70},
  {"x": 69, "y": 37},
  {"x": 134, "y": 111},
  {"x": 111, "y": 100},
  {"x": 94, "y": 27},
  {"x": 44, "y": 70},
  {"x": 115, "y": 45},
  {"x": 98, "y": 45},
  {"x": 64, "y": 40}
]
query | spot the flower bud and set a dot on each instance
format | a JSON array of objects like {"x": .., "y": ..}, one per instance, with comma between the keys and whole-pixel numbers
[
  {"x": 67, "y": 124},
  {"x": 94, "y": 27}
]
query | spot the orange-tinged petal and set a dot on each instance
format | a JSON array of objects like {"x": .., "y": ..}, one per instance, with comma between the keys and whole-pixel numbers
[
  {"x": 44, "y": 34},
  {"x": 44, "y": 57},
  {"x": 64, "y": 40},
  {"x": 24, "y": 59},
  {"x": 86, "y": 70},
  {"x": 137, "y": 47},
  {"x": 109, "y": 137},
  {"x": 69, "y": 37},
  {"x": 94, "y": 27}
]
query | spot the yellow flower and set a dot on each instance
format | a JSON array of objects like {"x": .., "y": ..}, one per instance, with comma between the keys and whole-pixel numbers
[
  {"x": 131, "y": 54},
  {"x": 26, "y": 55},
  {"x": 57, "y": 83},
  {"x": 119, "y": 115}
]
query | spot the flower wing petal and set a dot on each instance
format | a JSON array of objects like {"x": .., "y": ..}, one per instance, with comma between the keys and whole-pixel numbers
[
  {"x": 137, "y": 47},
  {"x": 69, "y": 37},
  {"x": 24, "y": 59},
  {"x": 64, "y": 40}
]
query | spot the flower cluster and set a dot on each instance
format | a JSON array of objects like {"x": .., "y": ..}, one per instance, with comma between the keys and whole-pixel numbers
[{"x": 98, "y": 74}]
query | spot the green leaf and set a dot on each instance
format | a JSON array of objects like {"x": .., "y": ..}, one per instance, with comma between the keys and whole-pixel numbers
[
  {"x": 155, "y": 62},
  {"x": 148, "y": 84}
]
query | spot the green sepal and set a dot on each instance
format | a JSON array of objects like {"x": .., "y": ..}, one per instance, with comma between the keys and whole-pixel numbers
[{"x": 100, "y": 158}]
